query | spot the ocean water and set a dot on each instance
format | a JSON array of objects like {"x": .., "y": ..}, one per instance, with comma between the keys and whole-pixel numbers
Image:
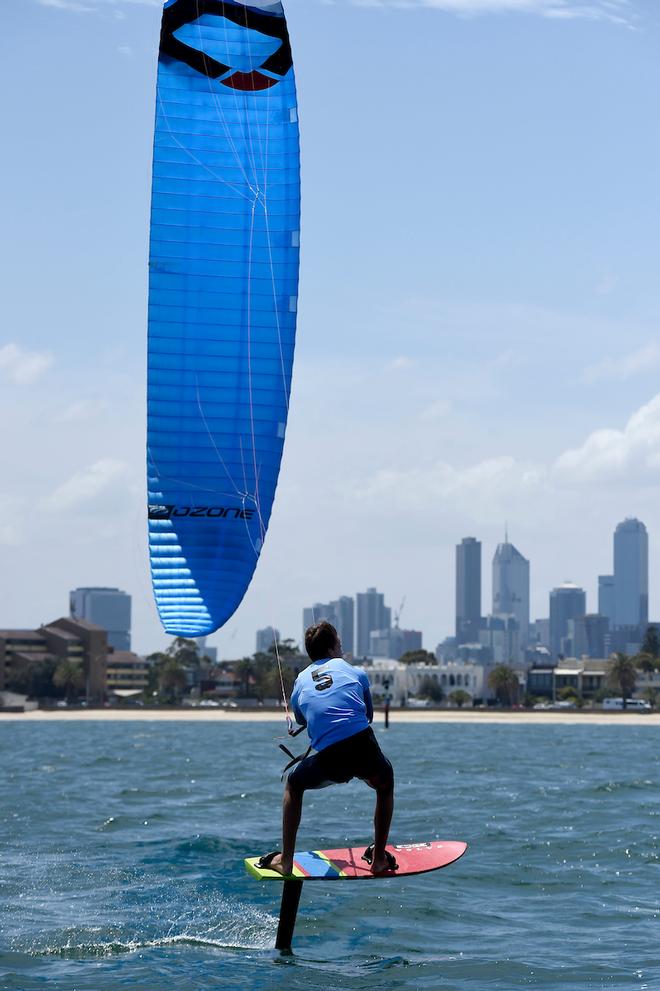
[{"x": 122, "y": 844}]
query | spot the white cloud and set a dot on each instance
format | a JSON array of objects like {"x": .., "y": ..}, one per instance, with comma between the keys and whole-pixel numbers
[
  {"x": 72, "y": 5},
  {"x": 485, "y": 489},
  {"x": 81, "y": 410},
  {"x": 638, "y": 362},
  {"x": 125, "y": 50},
  {"x": 400, "y": 363},
  {"x": 608, "y": 455},
  {"x": 23, "y": 367},
  {"x": 616, "y": 11},
  {"x": 437, "y": 410},
  {"x": 87, "y": 485}
]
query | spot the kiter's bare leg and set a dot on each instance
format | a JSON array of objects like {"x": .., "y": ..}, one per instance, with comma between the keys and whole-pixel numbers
[
  {"x": 291, "y": 813},
  {"x": 382, "y": 820}
]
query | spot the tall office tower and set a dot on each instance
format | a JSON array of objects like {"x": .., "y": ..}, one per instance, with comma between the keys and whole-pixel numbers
[
  {"x": 266, "y": 638},
  {"x": 109, "y": 608},
  {"x": 501, "y": 634},
  {"x": 315, "y": 614},
  {"x": 631, "y": 575},
  {"x": 606, "y": 597},
  {"x": 540, "y": 632},
  {"x": 393, "y": 642},
  {"x": 341, "y": 613},
  {"x": 511, "y": 587},
  {"x": 587, "y": 635},
  {"x": 371, "y": 614},
  {"x": 569, "y": 601},
  {"x": 468, "y": 590},
  {"x": 344, "y": 613}
]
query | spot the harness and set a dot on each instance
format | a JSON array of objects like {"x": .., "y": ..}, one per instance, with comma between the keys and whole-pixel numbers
[{"x": 293, "y": 759}]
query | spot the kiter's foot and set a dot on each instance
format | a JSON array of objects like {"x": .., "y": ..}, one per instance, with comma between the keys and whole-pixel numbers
[
  {"x": 274, "y": 861},
  {"x": 382, "y": 864}
]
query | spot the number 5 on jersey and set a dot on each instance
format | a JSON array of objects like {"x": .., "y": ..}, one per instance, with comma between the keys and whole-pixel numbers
[{"x": 323, "y": 680}]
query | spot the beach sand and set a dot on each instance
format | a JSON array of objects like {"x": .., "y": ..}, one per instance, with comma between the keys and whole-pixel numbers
[{"x": 396, "y": 716}]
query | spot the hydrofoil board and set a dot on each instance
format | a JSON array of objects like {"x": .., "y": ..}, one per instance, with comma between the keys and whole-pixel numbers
[{"x": 336, "y": 865}]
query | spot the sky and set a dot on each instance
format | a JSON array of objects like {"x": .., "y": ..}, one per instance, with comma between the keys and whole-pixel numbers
[{"x": 479, "y": 312}]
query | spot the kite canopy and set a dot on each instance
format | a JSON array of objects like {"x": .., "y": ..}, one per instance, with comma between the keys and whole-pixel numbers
[{"x": 223, "y": 290}]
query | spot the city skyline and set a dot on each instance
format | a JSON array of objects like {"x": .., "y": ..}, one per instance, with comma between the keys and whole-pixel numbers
[
  {"x": 571, "y": 625},
  {"x": 492, "y": 348}
]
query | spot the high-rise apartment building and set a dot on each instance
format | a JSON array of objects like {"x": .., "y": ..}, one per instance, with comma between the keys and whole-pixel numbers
[
  {"x": 587, "y": 635},
  {"x": 501, "y": 635},
  {"x": 340, "y": 612},
  {"x": 344, "y": 610},
  {"x": 468, "y": 590},
  {"x": 109, "y": 608},
  {"x": 606, "y": 597},
  {"x": 371, "y": 614},
  {"x": 511, "y": 587},
  {"x": 394, "y": 642},
  {"x": 266, "y": 638},
  {"x": 316, "y": 614},
  {"x": 631, "y": 575},
  {"x": 568, "y": 601}
]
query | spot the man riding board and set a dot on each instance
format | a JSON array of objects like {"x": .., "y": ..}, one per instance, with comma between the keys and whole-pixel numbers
[{"x": 333, "y": 700}]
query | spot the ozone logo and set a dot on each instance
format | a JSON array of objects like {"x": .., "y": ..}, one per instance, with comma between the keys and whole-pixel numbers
[
  {"x": 265, "y": 17},
  {"x": 160, "y": 512}
]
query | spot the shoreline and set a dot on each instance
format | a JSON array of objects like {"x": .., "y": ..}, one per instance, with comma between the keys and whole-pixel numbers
[{"x": 398, "y": 716}]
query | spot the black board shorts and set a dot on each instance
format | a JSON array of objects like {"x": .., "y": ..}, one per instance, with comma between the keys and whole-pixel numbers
[{"x": 358, "y": 756}]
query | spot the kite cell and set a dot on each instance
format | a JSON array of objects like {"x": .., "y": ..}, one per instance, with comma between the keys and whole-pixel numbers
[{"x": 223, "y": 291}]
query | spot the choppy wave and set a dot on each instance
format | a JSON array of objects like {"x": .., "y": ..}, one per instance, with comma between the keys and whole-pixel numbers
[{"x": 128, "y": 872}]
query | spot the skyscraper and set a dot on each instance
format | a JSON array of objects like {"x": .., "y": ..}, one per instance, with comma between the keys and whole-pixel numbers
[
  {"x": 606, "y": 597},
  {"x": 587, "y": 635},
  {"x": 316, "y": 614},
  {"x": 468, "y": 590},
  {"x": 344, "y": 611},
  {"x": 631, "y": 575},
  {"x": 109, "y": 608},
  {"x": 511, "y": 587},
  {"x": 341, "y": 613},
  {"x": 266, "y": 638},
  {"x": 569, "y": 601},
  {"x": 372, "y": 614}
]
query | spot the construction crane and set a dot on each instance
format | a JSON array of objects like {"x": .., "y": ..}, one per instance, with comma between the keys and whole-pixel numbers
[{"x": 397, "y": 613}]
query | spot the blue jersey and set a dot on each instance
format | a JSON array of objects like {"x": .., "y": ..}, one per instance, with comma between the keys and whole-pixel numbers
[{"x": 332, "y": 698}]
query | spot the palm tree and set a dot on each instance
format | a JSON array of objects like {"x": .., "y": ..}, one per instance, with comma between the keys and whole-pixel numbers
[
  {"x": 460, "y": 697},
  {"x": 651, "y": 696},
  {"x": 245, "y": 672},
  {"x": 645, "y": 662},
  {"x": 651, "y": 643},
  {"x": 623, "y": 675},
  {"x": 504, "y": 682},
  {"x": 172, "y": 680},
  {"x": 71, "y": 677}
]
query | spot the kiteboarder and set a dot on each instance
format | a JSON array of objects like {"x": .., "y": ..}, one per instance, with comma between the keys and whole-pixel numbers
[{"x": 332, "y": 699}]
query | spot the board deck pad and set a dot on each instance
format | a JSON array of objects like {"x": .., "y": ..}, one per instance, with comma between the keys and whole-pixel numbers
[{"x": 337, "y": 865}]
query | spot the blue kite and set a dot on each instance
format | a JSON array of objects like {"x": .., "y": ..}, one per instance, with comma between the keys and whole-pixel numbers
[{"x": 223, "y": 296}]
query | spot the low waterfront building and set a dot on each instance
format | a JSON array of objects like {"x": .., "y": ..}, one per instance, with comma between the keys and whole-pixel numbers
[
  {"x": 406, "y": 681},
  {"x": 388, "y": 676},
  {"x": 74, "y": 640},
  {"x": 586, "y": 676},
  {"x": 127, "y": 673}
]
